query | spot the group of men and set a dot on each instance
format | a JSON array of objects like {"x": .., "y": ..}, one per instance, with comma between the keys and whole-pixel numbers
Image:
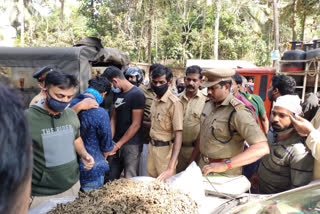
[{"x": 76, "y": 139}]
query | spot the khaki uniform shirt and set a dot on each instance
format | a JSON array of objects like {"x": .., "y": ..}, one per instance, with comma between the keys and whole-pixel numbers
[
  {"x": 166, "y": 117},
  {"x": 192, "y": 111},
  {"x": 36, "y": 99},
  {"x": 215, "y": 118},
  {"x": 150, "y": 95},
  {"x": 313, "y": 143}
]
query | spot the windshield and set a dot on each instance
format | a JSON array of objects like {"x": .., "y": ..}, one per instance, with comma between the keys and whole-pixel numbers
[{"x": 305, "y": 200}]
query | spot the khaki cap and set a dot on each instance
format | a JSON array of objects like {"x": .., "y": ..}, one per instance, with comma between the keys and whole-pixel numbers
[{"x": 215, "y": 75}]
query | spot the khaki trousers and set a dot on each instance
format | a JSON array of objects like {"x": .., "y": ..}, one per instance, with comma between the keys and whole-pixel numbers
[
  {"x": 73, "y": 191},
  {"x": 184, "y": 158},
  {"x": 158, "y": 159}
]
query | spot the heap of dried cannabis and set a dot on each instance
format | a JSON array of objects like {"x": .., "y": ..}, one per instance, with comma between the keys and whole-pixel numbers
[{"x": 127, "y": 196}]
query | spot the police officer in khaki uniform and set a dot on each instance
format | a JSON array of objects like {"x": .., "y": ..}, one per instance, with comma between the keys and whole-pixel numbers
[
  {"x": 166, "y": 127},
  {"x": 149, "y": 95},
  {"x": 40, "y": 76},
  {"x": 225, "y": 124},
  {"x": 193, "y": 101}
]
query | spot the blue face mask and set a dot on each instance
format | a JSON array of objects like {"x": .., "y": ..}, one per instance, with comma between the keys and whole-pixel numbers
[
  {"x": 56, "y": 105},
  {"x": 116, "y": 90},
  {"x": 96, "y": 94}
]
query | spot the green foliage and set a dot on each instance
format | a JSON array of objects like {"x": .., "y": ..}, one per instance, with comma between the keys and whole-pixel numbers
[{"x": 245, "y": 28}]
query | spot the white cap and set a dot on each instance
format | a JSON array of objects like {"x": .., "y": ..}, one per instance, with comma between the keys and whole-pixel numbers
[{"x": 290, "y": 102}]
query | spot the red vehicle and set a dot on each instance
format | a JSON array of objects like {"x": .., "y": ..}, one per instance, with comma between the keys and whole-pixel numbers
[{"x": 262, "y": 79}]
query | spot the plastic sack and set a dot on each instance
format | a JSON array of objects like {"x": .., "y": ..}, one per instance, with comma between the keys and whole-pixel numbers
[
  {"x": 50, "y": 204},
  {"x": 189, "y": 181}
]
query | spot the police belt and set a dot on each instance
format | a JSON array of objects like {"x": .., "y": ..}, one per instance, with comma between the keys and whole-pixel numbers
[
  {"x": 208, "y": 160},
  {"x": 192, "y": 144},
  {"x": 159, "y": 143}
]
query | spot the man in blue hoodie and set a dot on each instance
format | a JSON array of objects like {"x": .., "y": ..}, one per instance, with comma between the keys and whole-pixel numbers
[{"x": 96, "y": 133}]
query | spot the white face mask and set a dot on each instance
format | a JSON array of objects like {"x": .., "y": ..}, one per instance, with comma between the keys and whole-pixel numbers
[
  {"x": 231, "y": 92},
  {"x": 116, "y": 90}
]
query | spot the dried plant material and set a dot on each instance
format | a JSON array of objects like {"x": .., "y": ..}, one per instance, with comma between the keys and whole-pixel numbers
[{"x": 127, "y": 196}]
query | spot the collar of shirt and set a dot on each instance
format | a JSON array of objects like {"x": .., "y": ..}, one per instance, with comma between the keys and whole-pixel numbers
[
  {"x": 184, "y": 95},
  {"x": 166, "y": 95},
  {"x": 149, "y": 87},
  {"x": 226, "y": 101}
]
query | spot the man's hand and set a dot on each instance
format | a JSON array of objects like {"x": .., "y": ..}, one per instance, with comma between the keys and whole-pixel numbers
[
  {"x": 89, "y": 103},
  {"x": 214, "y": 167},
  {"x": 165, "y": 175},
  {"x": 114, "y": 150},
  {"x": 87, "y": 161},
  {"x": 301, "y": 125}
]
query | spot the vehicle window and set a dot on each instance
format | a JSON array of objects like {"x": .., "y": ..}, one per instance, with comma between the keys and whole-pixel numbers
[
  {"x": 263, "y": 87},
  {"x": 305, "y": 201}
]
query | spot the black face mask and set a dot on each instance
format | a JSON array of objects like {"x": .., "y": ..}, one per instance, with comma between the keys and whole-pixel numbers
[
  {"x": 56, "y": 105},
  {"x": 160, "y": 90},
  {"x": 134, "y": 83},
  {"x": 269, "y": 93},
  {"x": 180, "y": 88}
]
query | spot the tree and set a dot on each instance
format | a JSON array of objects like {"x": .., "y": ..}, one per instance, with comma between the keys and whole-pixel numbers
[
  {"x": 216, "y": 30},
  {"x": 276, "y": 25},
  {"x": 203, "y": 26},
  {"x": 61, "y": 10}
]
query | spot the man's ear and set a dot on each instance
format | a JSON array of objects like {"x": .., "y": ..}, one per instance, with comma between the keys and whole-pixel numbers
[
  {"x": 170, "y": 82},
  {"x": 227, "y": 86},
  {"x": 276, "y": 90},
  {"x": 44, "y": 92},
  {"x": 41, "y": 85}
]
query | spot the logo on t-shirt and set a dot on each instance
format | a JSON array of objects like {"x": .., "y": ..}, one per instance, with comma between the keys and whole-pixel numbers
[{"x": 119, "y": 102}]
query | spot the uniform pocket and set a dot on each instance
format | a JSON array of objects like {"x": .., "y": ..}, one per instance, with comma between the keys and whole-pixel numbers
[{"x": 219, "y": 130}]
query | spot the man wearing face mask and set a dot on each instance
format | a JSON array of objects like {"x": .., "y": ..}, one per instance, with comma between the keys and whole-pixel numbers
[
  {"x": 193, "y": 101},
  {"x": 281, "y": 85},
  {"x": 166, "y": 127},
  {"x": 55, "y": 132},
  {"x": 180, "y": 85},
  {"x": 95, "y": 132},
  {"x": 290, "y": 163},
  {"x": 134, "y": 76},
  {"x": 126, "y": 121}
]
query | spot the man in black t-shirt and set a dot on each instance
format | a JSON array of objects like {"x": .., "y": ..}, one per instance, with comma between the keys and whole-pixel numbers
[{"x": 126, "y": 121}]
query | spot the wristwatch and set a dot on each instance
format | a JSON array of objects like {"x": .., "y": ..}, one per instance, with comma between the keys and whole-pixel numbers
[{"x": 228, "y": 162}]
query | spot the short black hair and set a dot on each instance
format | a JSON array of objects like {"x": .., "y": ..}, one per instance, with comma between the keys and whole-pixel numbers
[
  {"x": 153, "y": 66},
  {"x": 225, "y": 82},
  {"x": 237, "y": 78},
  {"x": 15, "y": 150},
  {"x": 60, "y": 79},
  {"x": 194, "y": 69},
  {"x": 101, "y": 84},
  {"x": 178, "y": 80},
  {"x": 113, "y": 72},
  {"x": 159, "y": 71},
  {"x": 285, "y": 84}
]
